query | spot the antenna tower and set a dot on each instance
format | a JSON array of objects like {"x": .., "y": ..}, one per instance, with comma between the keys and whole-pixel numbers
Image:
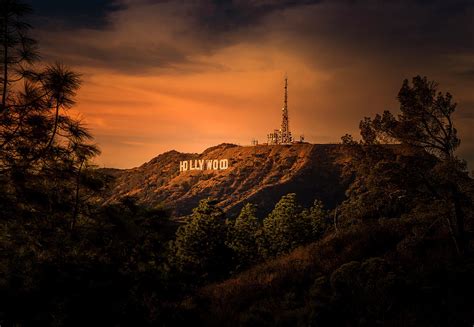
[{"x": 285, "y": 126}]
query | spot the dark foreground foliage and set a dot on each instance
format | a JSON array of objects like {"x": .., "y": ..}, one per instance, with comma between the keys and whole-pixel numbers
[{"x": 369, "y": 275}]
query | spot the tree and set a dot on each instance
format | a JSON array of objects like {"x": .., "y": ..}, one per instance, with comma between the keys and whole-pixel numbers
[
  {"x": 43, "y": 151},
  {"x": 199, "y": 249},
  {"x": 57, "y": 242},
  {"x": 316, "y": 217},
  {"x": 243, "y": 237},
  {"x": 387, "y": 181},
  {"x": 406, "y": 160},
  {"x": 425, "y": 120},
  {"x": 284, "y": 228},
  {"x": 17, "y": 49}
]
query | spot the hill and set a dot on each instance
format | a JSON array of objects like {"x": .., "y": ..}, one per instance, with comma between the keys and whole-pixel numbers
[
  {"x": 258, "y": 174},
  {"x": 368, "y": 275}
]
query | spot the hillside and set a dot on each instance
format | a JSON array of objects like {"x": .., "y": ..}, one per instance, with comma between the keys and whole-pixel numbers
[
  {"x": 258, "y": 174},
  {"x": 370, "y": 275}
]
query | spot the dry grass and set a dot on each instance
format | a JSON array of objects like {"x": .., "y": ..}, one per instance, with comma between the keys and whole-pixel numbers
[
  {"x": 294, "y": 272},
  {"x": 253, "y": 174}
]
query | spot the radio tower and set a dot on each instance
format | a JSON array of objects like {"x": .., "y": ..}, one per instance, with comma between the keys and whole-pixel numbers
[
  {"x": 285, "y": 126},
  {"x": 282, "y": 135}
]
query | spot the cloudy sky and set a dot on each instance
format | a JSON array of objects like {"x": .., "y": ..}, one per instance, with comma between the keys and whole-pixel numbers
[{"x": 185, "y": 75}]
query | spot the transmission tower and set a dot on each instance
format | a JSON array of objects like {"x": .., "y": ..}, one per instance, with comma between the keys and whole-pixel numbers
[
  {"x": 282, "y": 135},
  {"x": 285, "y": 125}
]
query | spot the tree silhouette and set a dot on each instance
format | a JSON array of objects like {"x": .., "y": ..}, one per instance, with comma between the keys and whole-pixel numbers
[
  {"x": 43, "y": 151},
  {"x": 17, "y": 49},
  {"x": 424, "y": 169},
  {"x": 425, "y": 120}
]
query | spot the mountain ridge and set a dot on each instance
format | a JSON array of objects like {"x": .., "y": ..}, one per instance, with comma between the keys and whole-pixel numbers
[{"x": 259, "y": 174}]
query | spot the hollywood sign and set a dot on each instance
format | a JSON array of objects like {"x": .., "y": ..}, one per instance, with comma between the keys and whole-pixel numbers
[{"x": 201, "y": 164}]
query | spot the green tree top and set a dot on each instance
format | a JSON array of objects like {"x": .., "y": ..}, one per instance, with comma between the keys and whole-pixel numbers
[
  {"x": 199, "y": 248},
  {"x": 284, "y": 228},
  {"x": 243, "y": 236}
]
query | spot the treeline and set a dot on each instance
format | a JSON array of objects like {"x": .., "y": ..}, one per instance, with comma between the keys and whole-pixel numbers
[{"x": 209, "y": 247}]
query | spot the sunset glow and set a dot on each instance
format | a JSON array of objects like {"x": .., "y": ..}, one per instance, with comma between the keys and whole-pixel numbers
[{"x": 156, "y": 76}]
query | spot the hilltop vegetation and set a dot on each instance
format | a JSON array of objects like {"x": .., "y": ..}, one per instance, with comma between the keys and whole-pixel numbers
[
  {"x": 394, "y": 249},
  {"x": 258, "y": 174}
]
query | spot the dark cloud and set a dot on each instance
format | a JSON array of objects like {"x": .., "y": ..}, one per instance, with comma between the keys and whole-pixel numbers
[
  {"x": 216, "y": 15},
  {"x": 226, "y": 15},
  {"x": 73, "y": 14},
  {"x": 129, "y": 58},
  {"x": 387, "y": 27},
  {"x": 396, "y": 30}
]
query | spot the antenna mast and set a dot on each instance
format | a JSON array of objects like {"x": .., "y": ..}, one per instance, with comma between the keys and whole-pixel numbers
[
  {"x": 285, "y": 125},
  {"x": 282, "y": 135}
]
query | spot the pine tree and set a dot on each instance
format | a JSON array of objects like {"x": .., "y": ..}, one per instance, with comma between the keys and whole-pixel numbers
[
  {"x": 199, "y": 249},
  {"x": 424, "y": 170},
  {"x": 317, "y": 218},
  {"x": 43, "y": 152},
  {"x": 284, "y": 229},
  {"x": 243, "y": 237}
]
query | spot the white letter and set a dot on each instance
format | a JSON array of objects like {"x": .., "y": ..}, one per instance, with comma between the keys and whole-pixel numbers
[
  {"x": 201, "y": 164},
  {"x": 224, "y": 164},
  {"x": 183, "y": 165},
  {"x": 208, "y": 164},
  {"x": 215, "y": 164}
]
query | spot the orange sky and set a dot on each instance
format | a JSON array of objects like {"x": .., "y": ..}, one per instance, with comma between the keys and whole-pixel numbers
[{"x": 152, "y": 82}]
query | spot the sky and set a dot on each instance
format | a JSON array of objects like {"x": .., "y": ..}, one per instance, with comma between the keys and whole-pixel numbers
[{"x": 160, "y": 75}]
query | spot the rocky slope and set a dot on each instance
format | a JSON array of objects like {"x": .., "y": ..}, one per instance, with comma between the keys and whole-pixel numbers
[{"x": 258, "y": 174}]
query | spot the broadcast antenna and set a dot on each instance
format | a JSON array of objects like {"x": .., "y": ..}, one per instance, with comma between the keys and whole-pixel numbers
[{"x": 285, "y": 125}]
